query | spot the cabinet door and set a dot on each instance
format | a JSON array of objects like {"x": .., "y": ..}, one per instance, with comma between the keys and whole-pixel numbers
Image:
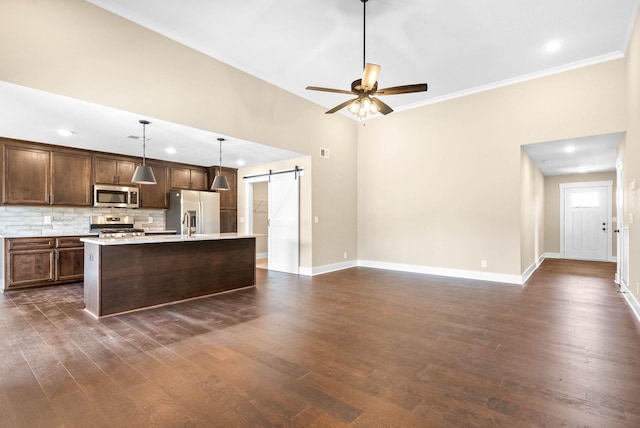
[
  {"x": 107, "y": 170},
  {"x": 26, "y": 176},
  {"x": 70, "y": 179},
  {"x": 31, "y": 267},
  {"x": 199, "y": 179},
  {"x": 229, "y": 198},
  {"x": 70, "y": 264},
  {"x": 180, "y": 178},
  {"x": 228, "y": 221},
  {"x": 155, "y": 195},
  {"x": 125, "y": 171}
]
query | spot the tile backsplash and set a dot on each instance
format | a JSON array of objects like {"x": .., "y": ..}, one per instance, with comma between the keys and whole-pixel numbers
[{"x": 33, "y": 221}]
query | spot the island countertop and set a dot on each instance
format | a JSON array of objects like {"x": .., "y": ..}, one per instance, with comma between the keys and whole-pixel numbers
[{"x": 158, "y": 239}]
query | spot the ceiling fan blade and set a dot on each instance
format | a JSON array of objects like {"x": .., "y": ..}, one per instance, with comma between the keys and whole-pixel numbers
[
  {"x": 384, "y": 109},
  {"x": 370, "y": 76},
  {"x": 340, "y": 106},
  {"x": 405, "y": 89},
  {"x": 337, "y": 91}
]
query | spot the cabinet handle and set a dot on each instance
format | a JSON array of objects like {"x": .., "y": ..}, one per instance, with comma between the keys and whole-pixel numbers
[{"x": 53, "y": 198}]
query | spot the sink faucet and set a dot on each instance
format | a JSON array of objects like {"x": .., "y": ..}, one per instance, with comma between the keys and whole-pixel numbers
[{"x": 187, "y": 218}]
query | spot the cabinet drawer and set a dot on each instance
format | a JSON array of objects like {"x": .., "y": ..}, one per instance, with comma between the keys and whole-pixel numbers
[
  {"x": 69, "y": 241},
  {"x": 30, "y": 243}
]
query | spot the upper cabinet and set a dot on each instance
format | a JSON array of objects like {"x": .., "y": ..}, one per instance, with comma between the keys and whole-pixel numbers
[
  {"x": 228, "y": 198},
  {"x": 189, "y": 178},
  {"x": 26, "y": 175},
  {"x": 113, "y": 170},
  {"x": 155, "y": 195},
  {"x": 42, "y": 174},
  {"x": 36, "y": 176},
  {"x": 70, "y": 178}
]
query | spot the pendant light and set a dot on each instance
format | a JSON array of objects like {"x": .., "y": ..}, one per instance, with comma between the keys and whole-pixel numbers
[
  {"x": 220, "y": 181},
  {"x": 143, "y": 173}
]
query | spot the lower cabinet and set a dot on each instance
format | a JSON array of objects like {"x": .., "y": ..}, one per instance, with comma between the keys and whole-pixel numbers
[{"x": 31, "y": 262}]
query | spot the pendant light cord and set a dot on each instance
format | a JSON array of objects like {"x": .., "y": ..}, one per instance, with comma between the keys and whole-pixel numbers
[
  {"x": 220, "y": 165},
  {"x": 144, "y": 143},
  {"x": 364, "y": 33}
]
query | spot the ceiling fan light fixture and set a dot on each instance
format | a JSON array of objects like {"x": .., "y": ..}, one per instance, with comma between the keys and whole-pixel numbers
[
  {"x": 143, "y": 173},
  {"x": 354, "y": 107},
  {"x": 364, "y": 89}
]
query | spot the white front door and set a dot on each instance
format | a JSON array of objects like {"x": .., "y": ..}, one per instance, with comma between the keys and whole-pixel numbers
[
  {"x": 284, "y": 222},
  {"x": 587, "y": 221}
]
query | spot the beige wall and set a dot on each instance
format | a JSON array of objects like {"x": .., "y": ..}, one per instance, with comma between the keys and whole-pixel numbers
[
  {"x": 631, "y": 166},
  {"x": 73, "y": 48},
  {"x": 440, "y": 185},
  {"x": 532, "y": 215},
  {"x": 552, "y": 205}
]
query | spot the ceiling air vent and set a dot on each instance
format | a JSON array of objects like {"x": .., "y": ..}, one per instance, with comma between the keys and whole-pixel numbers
[{"x": 324, "y": 153}]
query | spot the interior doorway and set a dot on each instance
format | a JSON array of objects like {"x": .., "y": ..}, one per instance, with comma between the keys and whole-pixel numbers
[{"x": 586, "y": 220}]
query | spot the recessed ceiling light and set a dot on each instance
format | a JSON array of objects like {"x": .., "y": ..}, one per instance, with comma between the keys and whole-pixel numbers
[
  {"x": 171, "y": 150},
  {"x": 66, "y": 132},
  {"x": 553, "y": 46},
  {"x": 569, "y": 149},
  {"x": 240, "y": 163}
]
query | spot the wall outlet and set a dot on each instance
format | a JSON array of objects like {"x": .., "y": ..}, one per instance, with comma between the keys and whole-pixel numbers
[
  {"x": 240, "y": 219},
  {"x": 47, "y": 219},
  {"x": 483, "y": 263},
  {"x": 150, "y": 220},
  {"x": 345, "y": 255}
]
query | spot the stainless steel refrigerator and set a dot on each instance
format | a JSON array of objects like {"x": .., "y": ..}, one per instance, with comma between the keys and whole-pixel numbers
[{"x": 203, "y": 209}]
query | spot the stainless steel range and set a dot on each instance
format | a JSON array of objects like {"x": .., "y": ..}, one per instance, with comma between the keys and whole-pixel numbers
[{"x": 114, "y": 226}]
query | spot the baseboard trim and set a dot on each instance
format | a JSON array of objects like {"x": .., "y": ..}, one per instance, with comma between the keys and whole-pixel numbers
[
  {"x": 552, "y": 255},
  {"x": 319, "y": 270},
  {"x": 631, "y": 300},
  {"x": 534, "y": 266},
  {"x": 455, "y": 273},
  {"x": 261, "y": 255}
]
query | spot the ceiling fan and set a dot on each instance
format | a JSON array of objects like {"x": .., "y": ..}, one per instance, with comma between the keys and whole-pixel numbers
[{"x": 364, "y": 89}]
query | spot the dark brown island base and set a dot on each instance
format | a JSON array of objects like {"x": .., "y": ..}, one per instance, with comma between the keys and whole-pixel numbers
[{"x": 127, "y": 274}]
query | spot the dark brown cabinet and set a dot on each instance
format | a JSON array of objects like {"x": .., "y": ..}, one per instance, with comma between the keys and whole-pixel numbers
[
  {"x": 69, "y": 259},
  {"x": 70, "y": 178},
  {"x": 36, "y": 176},
  {"x": 34, "y": 262},
  {"x": 189, "y": 178},
  {"x": 155, "y": 195},
  {"x": 113, "y": 170},
  {"x": 30, "y": 261},
  {"x": 228, "y": 200},
  {"x": 26, "y": 175}
]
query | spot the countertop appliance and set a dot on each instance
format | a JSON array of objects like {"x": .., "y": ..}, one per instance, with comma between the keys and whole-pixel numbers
[
  {"x": 193, "y": 209},
  {"x": 109, "y": 196},
  {"x": 114, "y": 226}
]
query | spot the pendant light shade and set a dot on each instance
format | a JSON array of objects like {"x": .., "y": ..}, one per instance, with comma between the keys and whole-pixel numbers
[
  {"x": 220, "y": 182},
  {"x": 143, "y": 173}
]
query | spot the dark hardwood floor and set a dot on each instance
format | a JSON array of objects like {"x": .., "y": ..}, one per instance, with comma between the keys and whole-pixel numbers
[{"x": 360, "y": 347}]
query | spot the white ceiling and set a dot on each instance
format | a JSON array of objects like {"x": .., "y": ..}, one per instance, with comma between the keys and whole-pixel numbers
[
  {"x": 456, "y": 46},
  {"x": 577, "y": 155}
]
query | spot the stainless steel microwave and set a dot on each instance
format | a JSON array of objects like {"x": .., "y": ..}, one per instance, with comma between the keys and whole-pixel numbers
[{"x": 115, "y": 196}]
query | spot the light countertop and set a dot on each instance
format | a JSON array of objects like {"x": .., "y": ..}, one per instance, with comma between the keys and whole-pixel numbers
[{"x": 158, "y": 239}]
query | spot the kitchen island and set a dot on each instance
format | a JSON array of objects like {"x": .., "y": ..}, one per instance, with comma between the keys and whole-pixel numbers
[{"x": 127, "y": 274}]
